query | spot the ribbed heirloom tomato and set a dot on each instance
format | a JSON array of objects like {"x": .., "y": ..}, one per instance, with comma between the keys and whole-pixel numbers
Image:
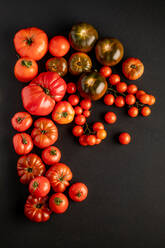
[
  {"x": 79, "y": 62},
  {"x": 78, "y": 192},
  {"x": 39, "y": 186},
  {"x": 58, "y": 65},
  {"x": 63, "y": 113},
  {"x": 22, "y": 143},
  {"x": 51, "y": 155},
  {"x": 21, "y": 121}
]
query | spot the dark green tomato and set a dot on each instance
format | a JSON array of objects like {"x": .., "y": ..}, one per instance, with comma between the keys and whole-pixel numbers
[
  {"x": 83, "y": 36},
  {"x": 79, "y": 62},
  {"x": 58, "y": 65},
  {"x": 109, "y": 51},
  {"x": 92, "y": 85}
]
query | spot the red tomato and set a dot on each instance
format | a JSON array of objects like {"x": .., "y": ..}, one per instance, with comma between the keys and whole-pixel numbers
[
  {"x": 98, "y": 126},
  {"x": 140, "y": 93},
  {"x": 86, "y": 104},
  {"x": 132, "y": 89},
  {"x": 36, "y": 209},
  {"x": 59, "y": 46},
  {"x": 98, "y": 141},
  {"x": 109, "y": 99},
  {"x": 145, "y": 111},
  {"x": 31, "y": 43},
  {"x": 119, "y": 101},
  {"x": 21, "y": 121},
  {"x": 40, "y": 95},
  {"x": 124, "y": 138},
  {"x": 105, "y": 71},
  {"x": 39, "y": 186},
  {"x": 80, "y": 120},
  {"x": 22, "y": 143},
  {"x": 73, "y": 100},
  {"x": 110, "y": 117},
  {"x": 71, "y": 88},
  {"x": 152, "y": 100},
  {"x": 114, "y": 79},
  {"x": 63, "y": 113},
  {"x": 132, "y": 68},
  {"x": 78, "y": 192},
  {"x": 77, "y": 131},
  {"x": 58, "y": 203},
  {"x": 91, "y": 140},
  {"x": 133, "y": 112},
  {"x": 45, "y": 133},
  {"x": 83, "y": 140},
  {"x": 121, "y": 87},
  {"x": 86, "y": 113},
  {"x": 130, "y": 99},
  {"x": 59, "y": 176},
  {"x": 78, "y": 110},
  {"x": 51, "y": 155},
  {"x": 101, "y": 134},
  {"x": 145, "y": 99}
]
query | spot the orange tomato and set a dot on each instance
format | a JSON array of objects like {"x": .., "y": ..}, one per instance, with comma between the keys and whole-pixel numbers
[{"x": 63, "y": 113}]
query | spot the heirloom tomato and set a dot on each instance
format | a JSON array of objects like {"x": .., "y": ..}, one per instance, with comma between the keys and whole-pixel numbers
[
  {"x": 21, "y": 121},
  {"x": 51, "y": 155},
  {"x": 132, "y": 68},
  {"x": 63, "y": 113},
  {"x": 79, "y": 62},
  {"x": 22, "y": 143},
  {"x": 58, "y": 65}
]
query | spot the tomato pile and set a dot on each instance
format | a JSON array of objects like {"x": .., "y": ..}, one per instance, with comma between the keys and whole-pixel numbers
[{"x": 48, "y": 93}]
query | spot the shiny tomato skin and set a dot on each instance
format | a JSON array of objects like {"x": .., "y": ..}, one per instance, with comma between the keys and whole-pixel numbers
[
  {"x": 39, "y": 186},
  {"x": 22, "y": 143},
  {"x": 132, "y": 68},
  {"x": 77, "y": 131},
  {"x": 83, "y": 140},
  {"x": 86, "y": 113},
  {"x": 98, "y": 141},
  {"x": 21, "y": 121},
  {"x": 31, "y": 43},
  {"x": 73, "y": 100},
  {"x": 145, "y": 111},
  {"x": 152, "y": 100},
  {"x": 106, "y": 71},
  {"x": 80, "y": 120},
  {"x": 109, "y": 99},
  {"x": 45, "y": 133},
  {"x": 58, "y": 65},
  {"x": 98, "y": 126},
  {"x": 101, "y": 134},
  {"x": 114, "y": 79},
  {"x": 59, "y": 46},
  {"x": 59, "y": 176},
  {"x": 51, "y": 155},
  {"x": 79, "y": 63},
  {"x": 132, "y": 89},
  {"x": 140, "y": 93},
  {"x": 124, "y": 138},
  {"x": 91, "y": 140},
  {"x": 58, "y": 203},
  {"x": 121, "y": 87},
  {"x": 120, "y": 101},
  {"x": 130, "y": 99},
  {"x": 78, "y": 110},
  {"x": 71, "y": 88},
  {"x": 145, "y": 99},
  {"x": 63, "y": 113},
  {"x": 86, "y": 104},
  {"x": 36, "y": 209},
  {"x": 110, "y": 117},
  {"x": 133, "y": 112},
  {"x": 29, "y": 167},
  {"x": 78, "y": 192}
]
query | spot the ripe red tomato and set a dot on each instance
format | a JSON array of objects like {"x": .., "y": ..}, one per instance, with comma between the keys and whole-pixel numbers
[
  {"x": 86, "y": 104},
  {"x": 86, "y": 113},
  {"x": 39, "y": 186},
  {"x": 98, "y": 126},
  {"x": 63, "y": 113},
  {"x": 51, "y": 155},
  {"x": 105, "y": 71},
  {"x": 132, "y": 68},
  {"x": 83, "y": 140},
  {"x": 58, "y": 203},
  {"x": 145, "y": 99},
  {"x": 145, "y": 111},
  {"x": 98, "y": 141},
  {"x": 91, "y": 140},
  {"x": 29, "y": 167},
  {"x": 45, "y": 133},
  {"x": 22, "y": 143},
  {"x": 77, "y": 131},
  {"x": 101, "y": 134},
  {"x": 25, "y": 69},
  {"x": 109, "y": 99},
  {"x": 119, "y": 101},
  {"x": 130, "y": 99},
  {"x": 59, "y": 176},
  {"x": 110, "y": 117},
  {"x": 78, "y": 110},
  {"x": 80, "y": 120},
  {"x": 140, "y": 93},
  {"x": 133, "y": 112},
  {"x": 78, "y": 192},
  {"x": 121, "y": 87},
  {"x": 36, "y": 209},
  {"x": 114, "y": 79},
  {"x": 71, "y": 88},
  {"x": 40, "y": 95},
  {"x": 59, "y": 46},
  {"x": 152, "y": 100},
  {"x": 132, "y": 89},
  {"x": 73, "y": 100},
  {"x": 124, "y": 138},
  {"x": 31, "y": 43},
  {"x": 21, "y": 121}
]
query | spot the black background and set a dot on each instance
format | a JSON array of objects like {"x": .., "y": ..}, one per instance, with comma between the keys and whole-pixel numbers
[{"x": 126, "y": 202}]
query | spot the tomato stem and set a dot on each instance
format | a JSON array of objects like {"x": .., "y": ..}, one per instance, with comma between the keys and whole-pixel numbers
[
  {"x": 78, "y": 194},
  {"x": 53, "y": 152},
  {"x": 24, "y": 141},
  {"x": 133, "y": 66},
  {"x": 57, "y": 200},
  {"x": 20, "y": 119},
  {"x": 29, "y": 41},
  {"x": 26, "y": 63}
]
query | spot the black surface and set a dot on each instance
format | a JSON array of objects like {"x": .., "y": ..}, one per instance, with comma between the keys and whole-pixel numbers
[{"x": 126, "y": 202}]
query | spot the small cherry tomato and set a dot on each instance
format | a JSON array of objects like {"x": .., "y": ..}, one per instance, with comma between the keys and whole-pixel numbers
[
  {"x": 101, "y": 134},
  {"x": 124, "y": 138},
  {"x": 145, "y": 111},
  {"x": 132, "y": 68},
  {"x": 39, "y": 186},
  {"x": 73, "y": 100},
  {"x": 110, "y": 117},
  {"x": 140, "y": 93},
  {"x": 71, "y": 88},
  {"x": 51, "y": 155},
  {"x": 98, "y": 126},
  {"x": 86, "y": 113},
  {"x": 78, "y": 192},
  {"x": 91, "y": 140},
  {"x": 59, "y": 46},
  {"x": 105, "y": 71},
  {"x": 80, "y": 120},
  {"x": 21, "y": 121},
  {"x": 78, "y": 110},
  {"x": 144, "y": 98},
  {"x": 133, "y": 112},
  {"x": 152, "y": 100},
  {"x": 77, "y": 131},
  {"x": 130, "y": 99},
  {"x": 83, "y": 140},
  {"x": 58, "y": 203},
  {"x": 121, "y": 87},
  {"x": 109, "y": 99},
  {"x": 119, "y": 101},
  {"x": 86, "y": 104},
  {"x": 132, "y": 89},
  {"x": 98, "y": 141},
  {"x": 114, "y": 79},
  {"x": 22, "y": 143}
]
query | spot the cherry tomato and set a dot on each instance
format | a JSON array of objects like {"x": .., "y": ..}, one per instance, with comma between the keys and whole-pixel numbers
[
  {"x": 101, "y": 134},
  {"x": 51, "y": 155},
  {"x": 78, "y": 110},
  {"x": 73, "y": 100},
  {"x": 83, "y": 140},
  {"x": 86, "y": 104},
  {"x": 98, "y": 141},
  {"x": 98, "y": 126},
  {"x": 114, "y": 79},
  {"x": 124, "y": 138},
  {"x": 22, "y": 143},
  {"x": 80, "y": 120},
  {"x": 78, "y": 192},
  {"x": 77, "y": 131},
  {"x": 21, "y": 121},
  {"x": 86, "y": 113},
  {"x": 133, "y": 112},
  {"x": 121, "y": 87},
  {"x": 140, "y": 93},
  {"x": 152, "y": 100},
  {"x": 110, "y": 117},
  {"x": 109, "y": 99},
  {"x": 105, "y": 71},
  {"x": 39, "y": 186},
  {"x": 58, "y": 203},
  {"x": 130, "y": 99},
  {"x": 145, "y": 99},
  {"x": 145, "y": 111},
  {"x": 132, "y": 89},
  {"x": 119, "y": 101},
  {"x": 71, "y": 88},
  {"x": 91, "y": 140},
  {"x": 59, "y": 46}
]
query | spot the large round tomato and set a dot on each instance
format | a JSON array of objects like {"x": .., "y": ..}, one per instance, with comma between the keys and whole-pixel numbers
[
  {"x": 109, "y": 51},
  {"x": 45, "y": 133},
  {"x": 29, "y": 167},
  {"x": 132, "y": 68},
  {"x": 58, "y": 203},
  {"x": 63, "y": 113},
  {"x": 22, "y": 143},
  {"x": 21, "y": 121},
  {"x": 40, "y": 95},
  {"x": 92, "y": 85},
  {"x": 31, "y": 43},
  {"x": 51, "y": 155},
  {"x": 59, "y": 176},
  {"x": 36, "y": 209},
  {"x": 39, "y": 186},
  {"x": 78, "y": 192},
  {"x": 58, "y": 65},
  {"x": 79, "y": 62},
  {"x": 82, "y": 37},
  {"x": 59, "y": 46}
]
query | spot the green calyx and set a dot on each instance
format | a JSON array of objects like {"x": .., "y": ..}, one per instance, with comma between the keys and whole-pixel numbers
[
  {"x": 78, "y": 194},
  {"x": 39, "y": 205},
  {"x": 43, "y": 131},
  {"x": 57, "y": 200},
  {"x": 133, "y": 66},
  {"x": 24, "y": 141},
  {"x": 53, "y": 152},
  {"x": 35, "y": 184},
  {"x": 29, "y": 169},
  {"x": 29, "y": 41},
  {"x": 64, "y": 114},
  {"x": 20, "y": 119},
  {"x": 26, "y": 63}
]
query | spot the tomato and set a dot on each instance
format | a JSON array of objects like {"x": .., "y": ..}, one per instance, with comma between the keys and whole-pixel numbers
[
  {"x": 80, "y": 120},
  {"x": 79, "y": 62},
  {"x": 152, "y": 100},
  {"x": 86, "y": 113},
  {"x": 78, "y": 110},
  {"x": 51, "y": 155},
  {"x": 145, "y": 111},
  {"x": 58, "y": 203},
  {"x": 132, "y": 89},
  {"x": 114, "y": 79},
  {"x": 92, "y": 85},
  {"x": 40, "y": 95},
  {"x": 106, "y": 71},
  {"x": 140, "y": 93},
  {"x": 91, "y": 140},
  {"x": 78, "y": 192},
  {"x": 71, "y": 88},
  {"x": 45, "y": 133},
  {"x": 21, "y": 121},
  {"x": 59, "y": 176},
  {"x": 110, "y": 117},
  {"x": 77, "y": 131},
  {"x": 109, "y": 99},
  {"x": 73, "y": 99},
  {"x": 58, "y": 65},
  {"x": 130, "y": 99},
  {"x": 86, "y": 104},
  {"x": 98, "y": 141},
  {"x": 31, "y": 43},
  {"x": 101, "y": 134},
  {"x": 83, "y": 140},
  {"x": 124, "y": 138},
  {"x": 132, "y": 68},
  {"x": 121, "y": 87},
  {"x": 25, "y": 69},
  {"x": 145, "y": 98},
  {"x": 63, "y": 113},
  {"x": 59, "y": 46},
  {"x": 109, "y": 51},
  {"x": 133, "y": 112},
  {"x": 83, "y": 37},
  {"x": 22, "y": 143},
  {"x": 119, "y": 101},
  {"x": 36, "y": 209},
  {"x": 98, "y": 126},
  {"x": 39, "y": 186}
]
